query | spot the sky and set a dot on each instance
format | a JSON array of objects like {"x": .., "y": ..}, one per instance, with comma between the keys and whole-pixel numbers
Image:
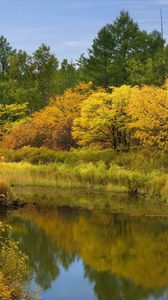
[{"x": 69, "y": 26}]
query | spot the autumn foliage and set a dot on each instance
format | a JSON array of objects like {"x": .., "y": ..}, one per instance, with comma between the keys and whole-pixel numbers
[
  {"x": 148, "y": 109},
  {"x": 52, "y": 126},
  {"x": 104, "y": 119},
  {"x": 119, "y": 118}
]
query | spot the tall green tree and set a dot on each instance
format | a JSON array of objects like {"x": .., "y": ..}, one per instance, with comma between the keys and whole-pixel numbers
[
  {"x": 31, "y": 79},
  {"x": 119, "y": 48},
  {"x": 101, "y": 55},
  {"x": 20, "y": 84},
  {"x": 5, "y": 51},
  {"x": 45, "y": 72}
]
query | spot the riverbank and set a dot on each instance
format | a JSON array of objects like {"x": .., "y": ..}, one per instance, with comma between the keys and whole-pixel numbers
[{"x": 130, "y": 173}]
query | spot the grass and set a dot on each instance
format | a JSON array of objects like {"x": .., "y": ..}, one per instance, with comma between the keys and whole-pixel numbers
[
  {"x": 98, "y": 176},
  {"x": 135, "y": 172},
  {"x": 46, "y": 156},
  {"x": 143, "y": 160}
]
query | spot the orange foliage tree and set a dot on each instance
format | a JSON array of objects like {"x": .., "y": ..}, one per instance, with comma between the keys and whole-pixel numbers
[{"x": 51, "y": 127}]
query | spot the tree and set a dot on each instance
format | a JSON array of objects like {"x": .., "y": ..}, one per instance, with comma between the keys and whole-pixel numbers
[
  {"x": 8, "y": 90},
  {"x": 128, "y": 39},
  {"x": 45, "y": 69},
  {"x": 103, "y": 120},
  {"x": 121, "y": 48},
  {"x": 101, "y": 55},
  {"x": 67, "y": 76},
  {"x": 149, "y": 65},
  {"x": 9, "y": 114},
  {"x": 81, "y": 69},
  {"x": 153, "y": 70},
  {"x": 5, "y": 51},
  {"x": 148, "y": 109},
  {"x": 20, "y": 67},
  {"x": 22, "y": 80},
  {"x": 52, "y": 126},
  {"x": 30, "y": 79}
]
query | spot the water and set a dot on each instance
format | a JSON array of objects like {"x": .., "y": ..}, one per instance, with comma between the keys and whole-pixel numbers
[{"x": 88, "y": 255}]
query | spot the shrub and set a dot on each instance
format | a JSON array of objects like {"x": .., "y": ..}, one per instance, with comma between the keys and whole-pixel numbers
[{"x": 14, "y": 270}]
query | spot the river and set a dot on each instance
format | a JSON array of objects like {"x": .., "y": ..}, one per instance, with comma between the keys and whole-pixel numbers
[{"x": 76, "y": 253}]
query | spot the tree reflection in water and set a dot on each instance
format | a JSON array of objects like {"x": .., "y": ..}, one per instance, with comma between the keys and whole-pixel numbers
[{"x": 124, "y": 257}]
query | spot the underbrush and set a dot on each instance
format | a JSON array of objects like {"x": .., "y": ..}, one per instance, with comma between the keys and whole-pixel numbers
[{"x": 46, "y": 156}]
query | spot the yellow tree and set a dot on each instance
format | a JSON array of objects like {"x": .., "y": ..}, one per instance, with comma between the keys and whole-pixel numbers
[
  {"x": 104, "y": 120},
  {"x": 148, "y": 108}
]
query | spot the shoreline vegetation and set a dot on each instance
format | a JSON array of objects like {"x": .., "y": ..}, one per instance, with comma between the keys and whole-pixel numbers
[
  {"x": 134, "y": 173},
  {"x": 15, "y": 272}
]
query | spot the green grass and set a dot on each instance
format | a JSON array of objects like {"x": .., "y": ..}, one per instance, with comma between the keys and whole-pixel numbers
[
  {"x": 141, "y": 160},
  {"x": 46, "y": 156},
  {"x": 87, "y": 175}
]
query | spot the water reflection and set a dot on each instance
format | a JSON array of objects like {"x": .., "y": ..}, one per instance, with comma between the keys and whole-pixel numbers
[{"x": 123, "y": 257}]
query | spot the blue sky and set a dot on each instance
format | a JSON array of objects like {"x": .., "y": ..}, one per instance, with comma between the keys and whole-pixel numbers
[{"x": 69, "y": 26}]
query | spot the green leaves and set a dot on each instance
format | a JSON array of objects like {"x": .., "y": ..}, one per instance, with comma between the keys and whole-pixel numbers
[
  {"x": 119, "y": 48},
  {"x": 12, "y": 112}
]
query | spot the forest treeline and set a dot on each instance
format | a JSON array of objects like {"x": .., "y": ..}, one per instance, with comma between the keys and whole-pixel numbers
[
  {"x": 114, "y": 96},
  {"x": 125, "y": 117}
]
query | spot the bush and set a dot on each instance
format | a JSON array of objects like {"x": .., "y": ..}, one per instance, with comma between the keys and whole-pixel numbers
[
  {"x": 45, "y": 156},
  {"x": 14, "y": 270}
]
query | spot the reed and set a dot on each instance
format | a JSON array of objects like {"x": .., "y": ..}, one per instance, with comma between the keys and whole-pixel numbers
[{"x": 91, "y": 176}]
